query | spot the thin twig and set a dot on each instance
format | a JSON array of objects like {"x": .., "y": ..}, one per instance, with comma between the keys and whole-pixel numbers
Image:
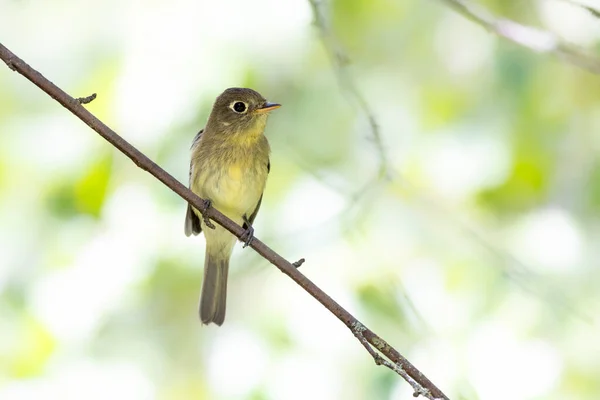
[
  {"x": 530, "y": 37},
  {"x": 359, "y": 329},
  {"x": 402, "y": 366},
  {"x": 341, "y": 61}
]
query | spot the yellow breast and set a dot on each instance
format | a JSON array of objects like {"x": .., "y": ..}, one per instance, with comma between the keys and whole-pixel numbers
[
  {"x": 234, "y": 188},
  {"x": 231, "y": 170}
]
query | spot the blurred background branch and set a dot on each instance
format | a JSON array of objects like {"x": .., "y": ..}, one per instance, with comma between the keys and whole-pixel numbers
[
  {"x": 532, "y": 38},
  {"x": 595, "y": 12},
  {"x": 341, "y": 64},
  {"x": 371, "y": 341},
  {"x": 535, "y": 39}
]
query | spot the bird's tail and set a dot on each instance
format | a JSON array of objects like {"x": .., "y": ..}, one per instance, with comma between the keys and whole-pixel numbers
[{"x": 214, "y": 288}]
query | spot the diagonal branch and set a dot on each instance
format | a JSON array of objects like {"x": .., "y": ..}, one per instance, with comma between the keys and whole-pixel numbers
[
  {"x": 373, "y": 343},
  {"x": 530, "y": 37}
]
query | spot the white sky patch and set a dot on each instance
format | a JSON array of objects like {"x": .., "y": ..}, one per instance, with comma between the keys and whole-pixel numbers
[
  {"x": 528, "y": 368},
  {"x": 425, "y": 285},
  {"x": 72, "y": 300},
  {"x": 458, "y": 168},
  {"x": 53, "y": 143},
  {"x": 237, "y": 362},
  {"x": 463, "y": 46},
  {"x": 572, "y": 23},
  {"x": 308, "y": 204},
  {"x": 318, "y": 381},
  {"x": 548, "y": 239},
  {"x": 132, "y": 215},
  {"x": 85, "y": 380}
]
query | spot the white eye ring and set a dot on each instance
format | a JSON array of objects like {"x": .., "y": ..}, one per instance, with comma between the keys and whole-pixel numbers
[{"x": 239, "y": 107}]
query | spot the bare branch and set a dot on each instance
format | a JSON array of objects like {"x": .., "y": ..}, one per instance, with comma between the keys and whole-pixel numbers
[
  {"x": 359, "y": 331},
  {"x": 530, "y": 37},
  {"x": 397, "y": 362},
  {"x": 341, "y": 61}
]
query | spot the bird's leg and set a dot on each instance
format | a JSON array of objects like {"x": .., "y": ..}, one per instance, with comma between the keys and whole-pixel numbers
[
  {"x": 206, "y": 205},
  {"x": 248, "y": 234}
]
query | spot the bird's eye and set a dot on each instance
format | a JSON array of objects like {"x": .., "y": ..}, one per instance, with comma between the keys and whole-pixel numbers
[{"x": 239, "y": 107}]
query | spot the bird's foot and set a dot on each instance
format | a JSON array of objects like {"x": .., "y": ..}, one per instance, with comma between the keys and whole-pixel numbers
[
  {"x": 206, "y": 205},
  {"x": 248, "y": 234}
]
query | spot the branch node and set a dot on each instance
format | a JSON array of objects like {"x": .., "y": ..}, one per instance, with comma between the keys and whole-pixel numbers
[
  {"x": 358, "y": 329},
  {"x": 298, "y": 263},
  {"x": 86, "y": 100}
]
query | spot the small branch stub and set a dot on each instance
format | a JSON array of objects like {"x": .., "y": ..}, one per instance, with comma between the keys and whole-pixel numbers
[
  {"x": 86, "y": 100},
  {"x": 298, "y": 263}
]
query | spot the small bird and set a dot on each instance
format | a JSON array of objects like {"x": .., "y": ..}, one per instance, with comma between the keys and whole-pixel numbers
[{"x": 228, "y": 168}]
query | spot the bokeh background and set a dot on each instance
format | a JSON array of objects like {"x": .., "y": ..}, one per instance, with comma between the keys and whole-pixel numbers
[{"x": 475, "y": 253}]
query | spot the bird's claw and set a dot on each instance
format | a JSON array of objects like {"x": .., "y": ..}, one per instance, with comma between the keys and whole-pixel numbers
[
  {"x": 207, "y": 204},
  {"x": 247, "y": 236}
]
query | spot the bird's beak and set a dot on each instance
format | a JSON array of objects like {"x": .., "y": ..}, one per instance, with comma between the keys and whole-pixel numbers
[{"x": 267, "y": 107}]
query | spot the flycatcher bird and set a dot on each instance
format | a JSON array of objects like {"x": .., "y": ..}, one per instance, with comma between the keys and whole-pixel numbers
[{"x": 228, "y": 168}]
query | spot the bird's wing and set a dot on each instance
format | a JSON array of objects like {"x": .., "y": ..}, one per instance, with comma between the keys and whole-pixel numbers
[
  {"x": 253, "y": 216},
  {"x": 192, "y": 222}
]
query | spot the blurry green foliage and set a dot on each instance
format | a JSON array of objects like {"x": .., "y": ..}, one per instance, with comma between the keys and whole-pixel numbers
[
  {"x": 381, "y": 302},
  {"x": 90, "y": 190},
  {"x": 593, "y": 185},
  {"x": 84, "y": 195},
  {"x": 30, "y": 350},
  {"x": 444, "y": 105},
  {"x": 525, "y": 188}
]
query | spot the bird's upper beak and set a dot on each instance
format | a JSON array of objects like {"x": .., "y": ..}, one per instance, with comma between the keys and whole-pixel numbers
[{"x": 267, "y": 107}]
